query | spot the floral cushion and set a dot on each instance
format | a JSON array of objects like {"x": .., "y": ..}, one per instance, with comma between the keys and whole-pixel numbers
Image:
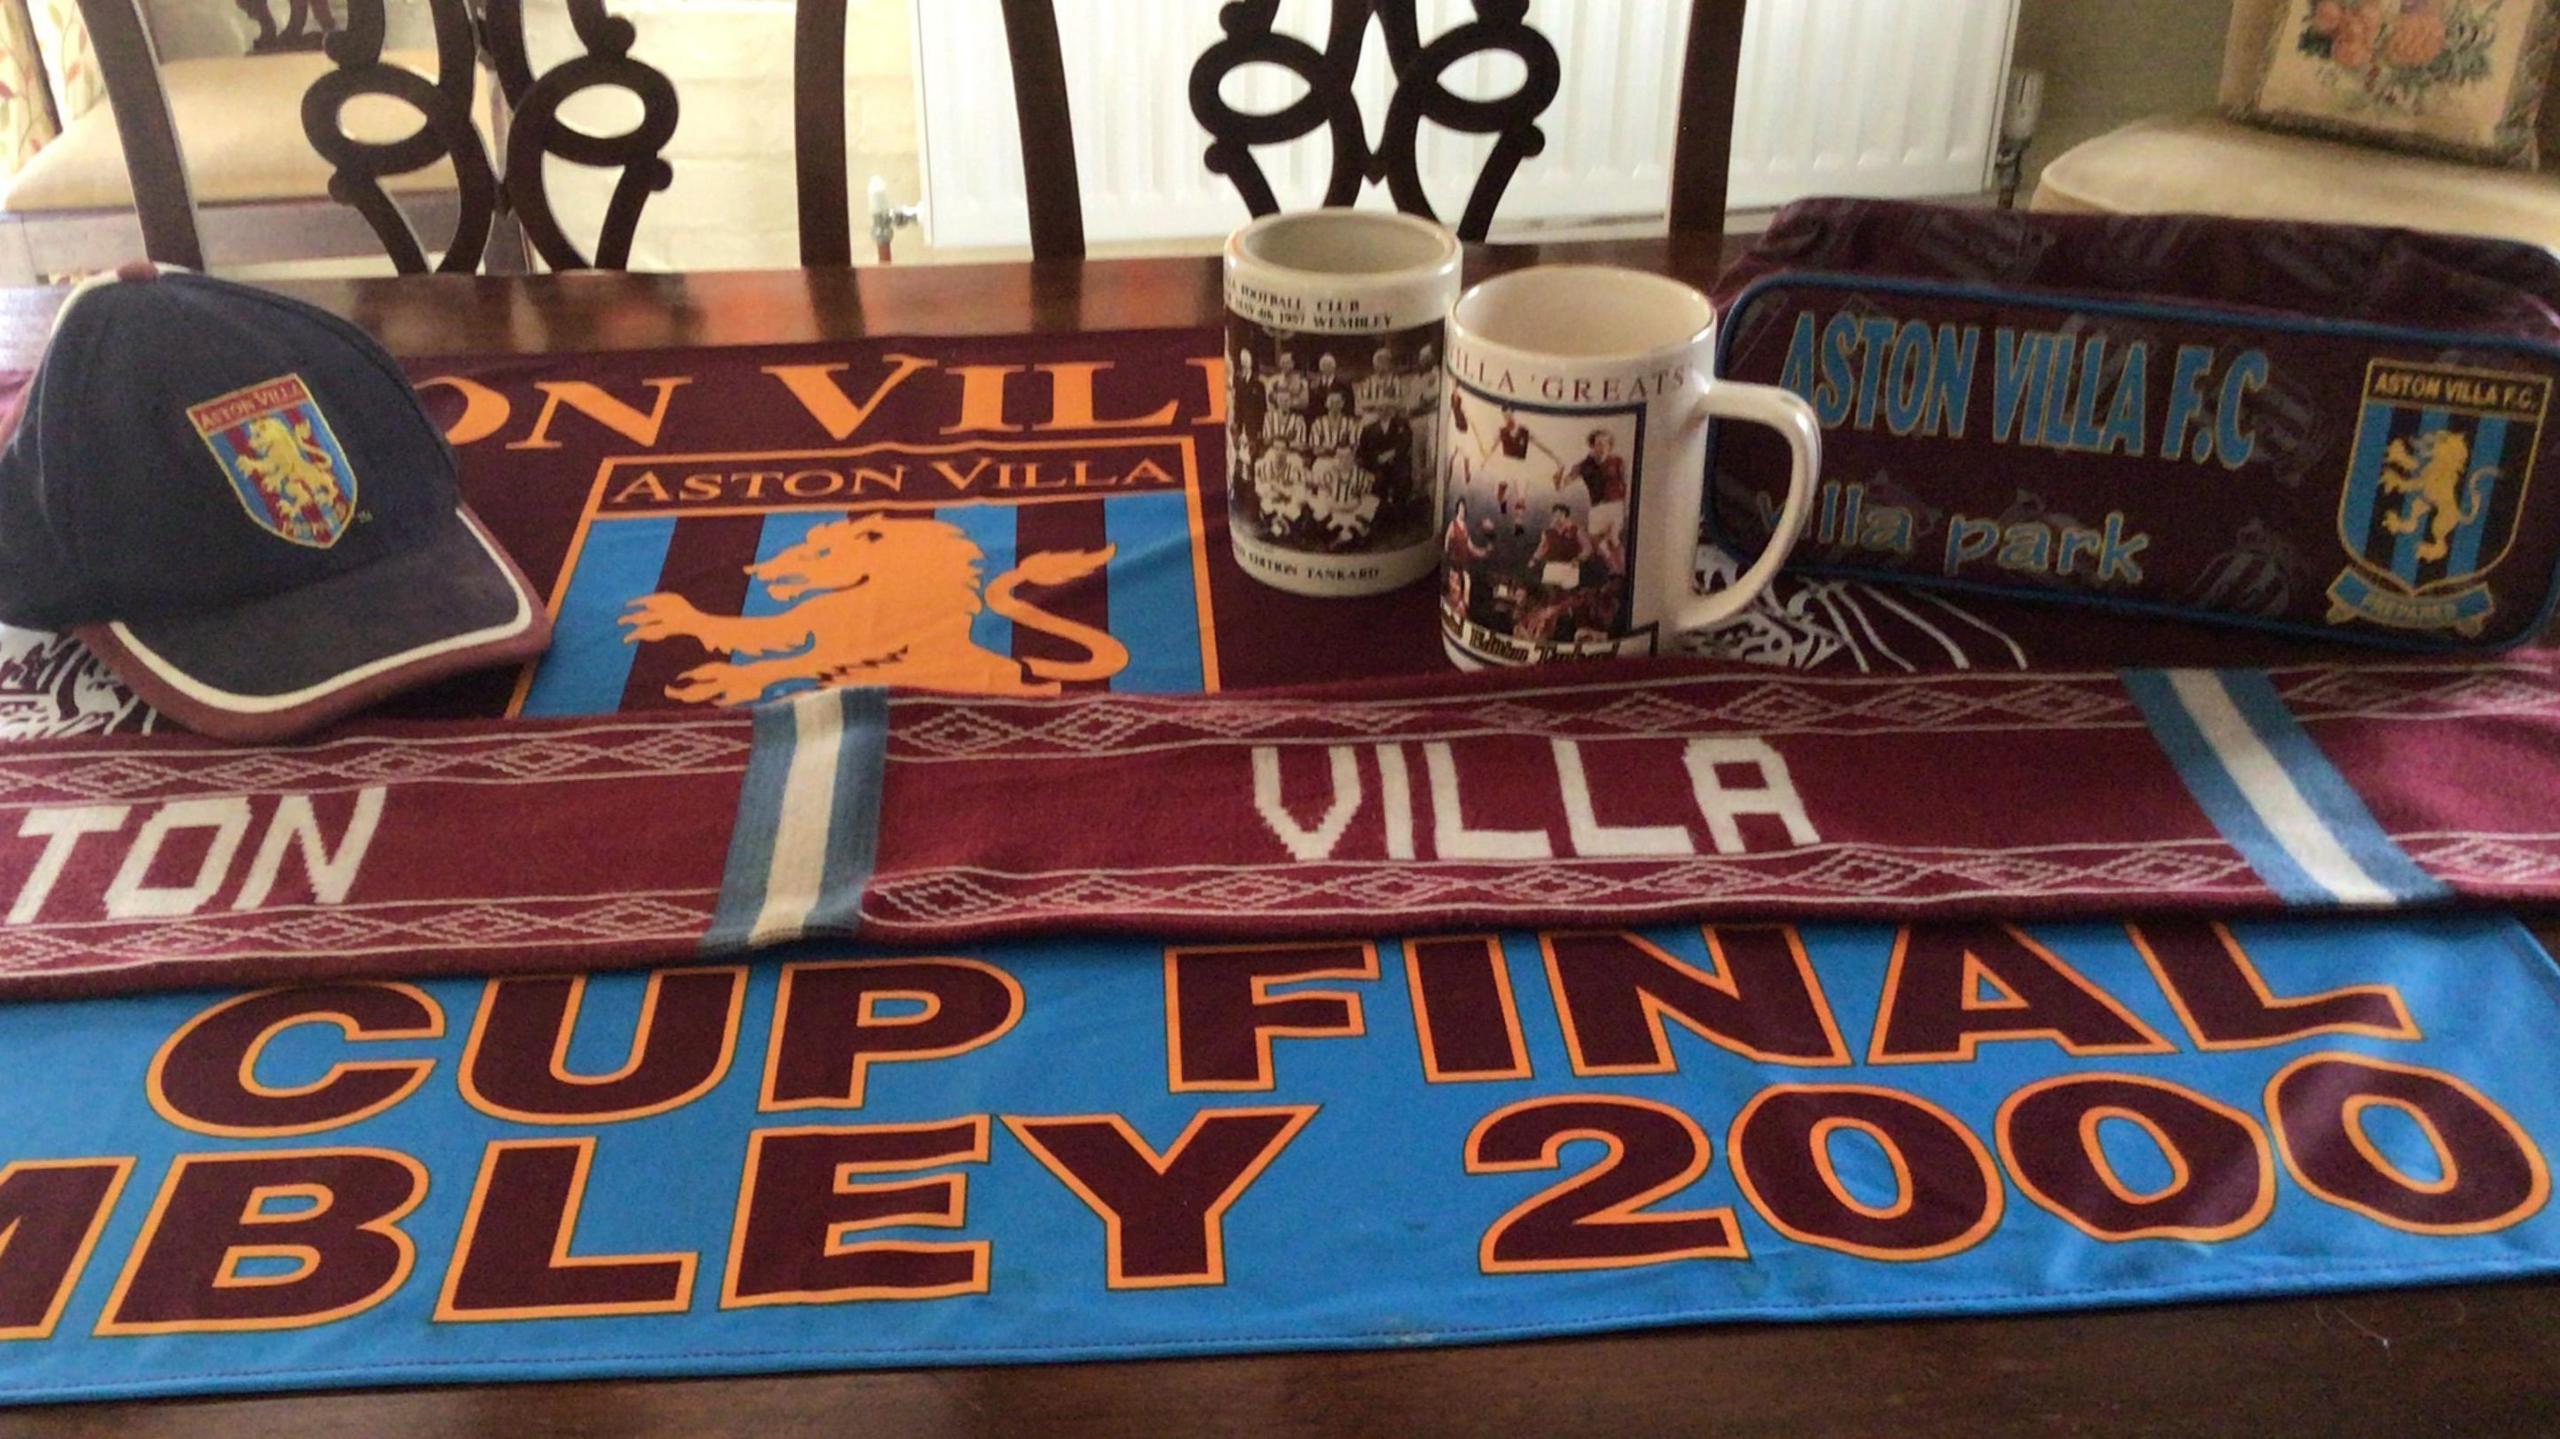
[
  {"x": 26, "y": 120},
  {"x": 2460, "y": 78}
]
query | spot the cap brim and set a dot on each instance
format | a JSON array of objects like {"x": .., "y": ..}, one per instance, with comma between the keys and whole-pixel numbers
[{"x": 287, "y": 664}]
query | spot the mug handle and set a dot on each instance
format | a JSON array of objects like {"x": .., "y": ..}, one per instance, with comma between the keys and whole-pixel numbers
[{"x": 1781, "y": 410}]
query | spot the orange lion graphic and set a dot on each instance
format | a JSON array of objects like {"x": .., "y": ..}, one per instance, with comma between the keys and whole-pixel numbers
[
  {"x": 889, "y": 603},
  {"x": 2444, "y": 492}
]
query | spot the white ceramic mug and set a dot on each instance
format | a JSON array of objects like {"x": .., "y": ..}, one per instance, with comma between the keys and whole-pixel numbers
[
  {"x": 1573, "y": 445},
  {"x": 1333, "y": 382}
]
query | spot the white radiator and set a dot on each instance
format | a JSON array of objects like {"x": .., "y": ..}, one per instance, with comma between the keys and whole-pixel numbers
[{"x": 1870, "y": 97}]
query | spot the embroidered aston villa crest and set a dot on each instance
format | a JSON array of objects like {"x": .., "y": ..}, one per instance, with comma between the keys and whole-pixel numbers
[
  {"x": 2443, "y": 455},
  {"x": 283, "y": 462}
]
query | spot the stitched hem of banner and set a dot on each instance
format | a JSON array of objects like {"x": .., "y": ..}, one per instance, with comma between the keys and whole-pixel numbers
[{"x": 712, "y": 1363}]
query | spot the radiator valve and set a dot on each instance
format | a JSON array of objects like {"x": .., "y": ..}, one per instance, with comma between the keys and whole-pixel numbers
[
  {"x": 887, "y": 219},
  {"x": 2018, "y": 120}
]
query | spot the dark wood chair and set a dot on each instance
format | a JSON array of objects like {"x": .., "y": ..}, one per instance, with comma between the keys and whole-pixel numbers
[
  {"x": 509, "y": 188},
  {"x": 1700, "y": 160},
  {"x": 505, "y": 197},
  {"x": 500, "y": 207},
  {"x": 818, "y": 133},
  {"x": 305, "y": 25},
  {"x": 496, "y": 192},
  {"x": 66, "y": 213},
  {"x": 481, "y": 217}
]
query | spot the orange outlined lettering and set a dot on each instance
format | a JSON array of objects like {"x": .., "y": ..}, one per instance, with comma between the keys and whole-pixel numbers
[
  {"x": 1471, "y": 1032},
  {"x": 51, "y": 1214},
  {"x": 517, "y": 1264},
  {"x": 798, "y": 1199},
  {"x": 204, "y": 1077},
  {"x": 1780, "y": 1017},
  {"x": 1220, "y": 1015},
  {"x": 828, "y": 1028},
  {"x": 1163, "y": 1215},
  {"x": 2225, "y": 1003},
  {"x": 261, "y": 1207},
  {"x": 182, "y": 1277},
  {"x": 1600, "y": 1218},
  {"x": 1782, "y": 1156},
  {"x": 661, "y": 1072},
  {"x": 2493, "y": 1176},
  {"x": 2050, "y": 1143},
  {"x": 1933, "y": 1010}
]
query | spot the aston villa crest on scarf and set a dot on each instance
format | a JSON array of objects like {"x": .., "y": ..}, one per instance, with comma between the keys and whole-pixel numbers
[
  {"x": 2442, "y": 459},
  {"x": 282, "y": 460},
  {"x": 1007, "y": 567}
]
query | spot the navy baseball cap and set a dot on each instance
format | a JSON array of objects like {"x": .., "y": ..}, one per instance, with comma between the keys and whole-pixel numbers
[{"x": 237, "y": 500}]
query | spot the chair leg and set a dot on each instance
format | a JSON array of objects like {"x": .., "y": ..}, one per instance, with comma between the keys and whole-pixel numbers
[
  {"x": 509, "y": 253},
  {"x": 17, "y": 260}
]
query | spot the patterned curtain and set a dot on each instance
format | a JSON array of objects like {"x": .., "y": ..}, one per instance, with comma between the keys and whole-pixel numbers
[
  {"x": 26, "y": 116},
  {"x": 70, "y": 62}
]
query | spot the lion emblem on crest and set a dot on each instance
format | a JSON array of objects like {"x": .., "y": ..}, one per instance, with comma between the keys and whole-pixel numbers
[
  {"x": 298, "y": 476},
  {"x": 2444, "y": 491},
  {"x": 881, "y": 601}
]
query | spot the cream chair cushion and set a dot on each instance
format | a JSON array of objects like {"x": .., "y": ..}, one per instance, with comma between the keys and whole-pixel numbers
[
  {"x": 239, "y": 121},
  {"x": 2207, "y": 164}
]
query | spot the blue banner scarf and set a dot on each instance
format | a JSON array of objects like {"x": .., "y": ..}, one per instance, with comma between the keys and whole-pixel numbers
[{"x": 1089, "y": 1150}]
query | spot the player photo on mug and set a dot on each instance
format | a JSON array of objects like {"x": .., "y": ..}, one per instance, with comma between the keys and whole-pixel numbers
[
  {"x": 1537, "y": 535},
  {"x": 1334, "y": 335},
  {"x": 1573, "y": 467}
]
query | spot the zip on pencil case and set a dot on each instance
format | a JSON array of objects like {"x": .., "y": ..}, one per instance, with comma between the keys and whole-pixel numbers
[{"x": 2334, "y": 431}]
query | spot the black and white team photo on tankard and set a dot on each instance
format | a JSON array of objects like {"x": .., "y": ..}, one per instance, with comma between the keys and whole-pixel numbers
[{"x": 1330, "y": 438}]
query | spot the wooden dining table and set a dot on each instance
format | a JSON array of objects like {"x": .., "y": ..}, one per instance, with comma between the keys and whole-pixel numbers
[{"x": 2477, "y": 1360}]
